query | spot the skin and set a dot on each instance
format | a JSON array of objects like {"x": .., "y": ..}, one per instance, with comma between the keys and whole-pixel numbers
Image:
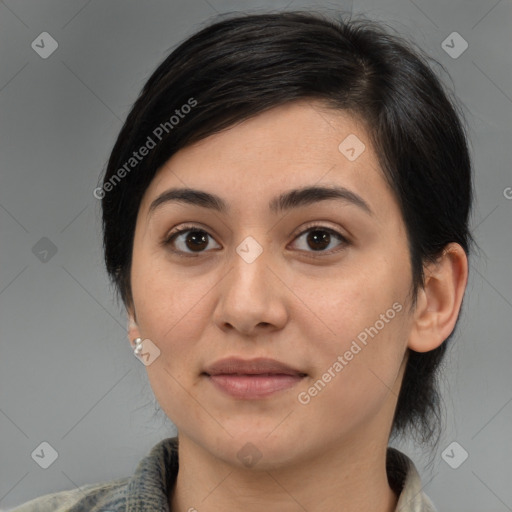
[{"x": 294, "y": 304}]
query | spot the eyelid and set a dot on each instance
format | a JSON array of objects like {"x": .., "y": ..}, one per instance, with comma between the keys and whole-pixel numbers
[
  {"x": 343, "y": 239},
  {"x": 183, "y": 228},
  {"x": 318, "y": 224}
]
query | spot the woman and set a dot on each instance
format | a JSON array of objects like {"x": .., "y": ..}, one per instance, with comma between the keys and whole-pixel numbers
[{"x": 285, "y": 217}]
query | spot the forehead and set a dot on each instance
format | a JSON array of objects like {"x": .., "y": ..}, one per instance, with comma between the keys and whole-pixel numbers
[{"x": 291, "y": 146}]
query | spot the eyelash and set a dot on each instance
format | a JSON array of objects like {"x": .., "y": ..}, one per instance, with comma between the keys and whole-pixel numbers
[{"x": 167, "y": 242}]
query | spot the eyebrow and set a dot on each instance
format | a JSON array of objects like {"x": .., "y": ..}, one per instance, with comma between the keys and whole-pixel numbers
[{"x": 294, "y": 198}]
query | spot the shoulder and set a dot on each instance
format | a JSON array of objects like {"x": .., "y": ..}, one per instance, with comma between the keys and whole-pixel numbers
[
  {"x": 406, "y": 482},
  {"x": 147, "y": 487},
  {"x": 95, "y": 497}
]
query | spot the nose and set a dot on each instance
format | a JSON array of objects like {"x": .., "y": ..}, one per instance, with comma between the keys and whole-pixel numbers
[{"x": 251, "y": 298}]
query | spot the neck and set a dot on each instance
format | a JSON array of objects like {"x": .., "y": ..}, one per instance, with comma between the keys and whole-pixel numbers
[{"x": 351, "y": 478}]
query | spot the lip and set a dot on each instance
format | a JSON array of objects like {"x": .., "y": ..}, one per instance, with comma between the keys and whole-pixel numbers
[
  {"x": 252, "y": 378},
  {"x": 257, "y": 366}
]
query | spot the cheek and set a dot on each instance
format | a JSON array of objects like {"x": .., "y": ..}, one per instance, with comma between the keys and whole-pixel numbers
[
  {"x": 171, "y": 311},
  {"x": 359, "y": 339},
  {"x": 159, "y": 294},
  {"x": 350, "y": 302},
  {"x": 354, "y": 379}
]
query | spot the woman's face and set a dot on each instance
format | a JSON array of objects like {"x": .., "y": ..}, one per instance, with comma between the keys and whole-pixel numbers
[{"x": 319, "y": 285}]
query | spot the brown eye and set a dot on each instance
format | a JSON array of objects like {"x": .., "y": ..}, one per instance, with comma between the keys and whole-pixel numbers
[
  {"x": 193, "y": 241},
  {"x": 318, "y": 238},
  {"x": 196, "y": 240},
  {"x": 189, "y": 240}
]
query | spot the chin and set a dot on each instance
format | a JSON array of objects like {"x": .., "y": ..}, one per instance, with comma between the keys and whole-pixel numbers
[{"x": 253, "y": 448}]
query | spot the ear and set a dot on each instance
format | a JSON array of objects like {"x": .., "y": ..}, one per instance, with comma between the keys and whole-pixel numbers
[
  {"x": 133, "y": 328},
  {"x": 440, "y": 299}
]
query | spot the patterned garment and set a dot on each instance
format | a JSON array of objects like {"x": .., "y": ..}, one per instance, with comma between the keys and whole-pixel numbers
[{"x": 148, "y": 489}]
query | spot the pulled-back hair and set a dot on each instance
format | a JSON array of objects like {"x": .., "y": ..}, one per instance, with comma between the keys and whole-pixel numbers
[{"x": 244, "y": 65}]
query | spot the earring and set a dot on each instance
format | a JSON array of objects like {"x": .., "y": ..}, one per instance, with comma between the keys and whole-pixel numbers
[{"x": 138, "y": 346}]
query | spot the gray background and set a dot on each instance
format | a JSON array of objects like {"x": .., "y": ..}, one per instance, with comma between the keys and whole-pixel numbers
[{"x": 67, "y": 372}]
